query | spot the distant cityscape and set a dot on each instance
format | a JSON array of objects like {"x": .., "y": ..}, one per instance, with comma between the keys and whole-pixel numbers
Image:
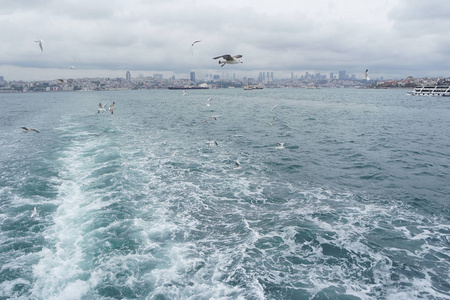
[{"x": 264, "y": 79}]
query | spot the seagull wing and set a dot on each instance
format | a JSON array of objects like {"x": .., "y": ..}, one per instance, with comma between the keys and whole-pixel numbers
[
  {"x": 100, "y": 105},
  {"x": 40, "y": 44},
  {"x": 24, "y": 128},
  {"x": 226, "y": 57},
  {"x": 34, "y": 213},
  {"x": 195, "y": 43},
  {"x": 236, "y": 56},
  {"x": 34, "y": 130}
]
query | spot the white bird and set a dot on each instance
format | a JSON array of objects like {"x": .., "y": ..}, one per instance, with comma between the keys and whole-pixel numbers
[
  {"x": 40, "y": 42},
  {"x": 71, "y": 67},
  {"x": 62, "y": 81},
  {"x": 34, "y": 213},
  {"x": 207, "y": 101},
  {"x": 111, "y": 108},
  {"x": 25, "y": 130},
  {"x": 101, "y": 107},
  {"x": 185, "y": 93},
  {"x": 237, "y": 163},
  {"x": 229, "y": 59},
  {"x": 271, "y": 123},
  {"x": 280, "y": 146},
  {"x": 366, "y": 75}
]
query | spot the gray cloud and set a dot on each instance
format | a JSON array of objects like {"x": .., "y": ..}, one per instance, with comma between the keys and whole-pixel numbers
[{"x": 392, "y": 38}]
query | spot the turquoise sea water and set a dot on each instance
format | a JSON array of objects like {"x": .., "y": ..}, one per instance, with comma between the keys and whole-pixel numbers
[{"x": 142, "y": 204}]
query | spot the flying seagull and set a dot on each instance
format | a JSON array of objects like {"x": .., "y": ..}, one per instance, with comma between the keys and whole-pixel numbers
[
  {"x": 271, "y": 123},
  {"x": 237, "y": 164},
  {"x": 40, "y": 42},
  {"x": 25, "y": 130},
  {"x": 210, "y": 143},
  {"x": 207, "y": 101},
  {"x": 101, "y": 107},
  {"x": 366, "y": 74},
  {"x": 280, "y": 146},
  {"x": 34, "y": 213},
  {"x": 195, "y": 42},
  {"x": 71, "y": 67},
  {"x": 111, "y": 108},
  {"x": 62, "y": 81},
  {"x": 229, "y": 59}
]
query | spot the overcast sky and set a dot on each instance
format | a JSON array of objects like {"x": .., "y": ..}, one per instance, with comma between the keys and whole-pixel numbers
[{"x": 105, "y": 38}]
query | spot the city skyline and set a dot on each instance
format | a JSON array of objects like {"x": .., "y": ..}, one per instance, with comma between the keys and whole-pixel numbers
[{"x": 393, "y": 39}]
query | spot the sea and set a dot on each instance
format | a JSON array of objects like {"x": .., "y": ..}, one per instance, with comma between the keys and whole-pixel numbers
[{"x": 261, "y": 194}]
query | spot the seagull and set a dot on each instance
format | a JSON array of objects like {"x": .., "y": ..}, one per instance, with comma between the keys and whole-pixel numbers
[
  {"x": 34, "y": 213},
  {"x": 207, "y": 101},
  {"x": 366, "y": 75},
  {"x": 111, "y": 108},
  {"x": 229, "y": 59},
  {"x": 71, "y": 67},
  {"x": 274, "y": 107},
  {"x": 210, "y": 143},
  {"x": 213, "y": 117},
  {"x": 61, "y": 81},
  {"x": 25, "y": 130},
  {"x": 195, "y": 42},
  {"x": 185, "y": 93},
  {"x": 271, "y": 123},
  {"x": 101, "y": 107},
  {"x": 237, "y": 163},
  {"x": 40, "y": 44},
  {"x": 280, "y": 146}
]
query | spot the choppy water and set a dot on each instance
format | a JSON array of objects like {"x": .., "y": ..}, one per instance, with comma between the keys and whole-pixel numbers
[{"x": 142, "y": 204}]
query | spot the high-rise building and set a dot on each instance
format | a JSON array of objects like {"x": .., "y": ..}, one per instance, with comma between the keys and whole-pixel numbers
[
  {"x": 192, "y": 77},
  {"x": 342, "y": 75},
  {"x": 128, "y": 76}
]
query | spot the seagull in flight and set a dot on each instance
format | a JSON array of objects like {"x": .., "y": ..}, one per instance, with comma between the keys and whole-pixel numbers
[
  {"x": 229, "y": 59},
  {"x": 271, "y": 123},
  {"x": 40, "y": 42},
  {"x": 207, "y": 101},
  {"x": 111, "y": 108},
  {"x": 25, "y": 130},
  {"x": 101, "y": 107},
  {"x": 71, "y": 67},
  {"x": 210, "y": 143},
  {"x": 62, "y": 81},
  {"x": 237, "y": 164},
  {"x": 280, "y": 146},
  {"x": 195, "y": 42},
  {"x": 34, "y": 213},
  {"x": 366, "y": 75}
]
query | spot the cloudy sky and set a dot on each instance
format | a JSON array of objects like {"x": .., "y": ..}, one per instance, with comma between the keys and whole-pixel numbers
[{"x": 105, "y": 38}]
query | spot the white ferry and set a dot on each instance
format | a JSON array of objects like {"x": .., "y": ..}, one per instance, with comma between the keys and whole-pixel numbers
[{"x": 431, "y": 91}]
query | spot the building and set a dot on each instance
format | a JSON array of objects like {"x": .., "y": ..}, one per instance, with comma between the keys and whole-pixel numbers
[
  {"x": 128, "y": 76},
  {"x": 192, "y": 77}
]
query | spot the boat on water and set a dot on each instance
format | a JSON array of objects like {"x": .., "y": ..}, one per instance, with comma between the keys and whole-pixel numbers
[
  {"x": 252, "y": 87},
  {"x": 188, "y": 87},
  {"x": 431, "y": 91}
]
